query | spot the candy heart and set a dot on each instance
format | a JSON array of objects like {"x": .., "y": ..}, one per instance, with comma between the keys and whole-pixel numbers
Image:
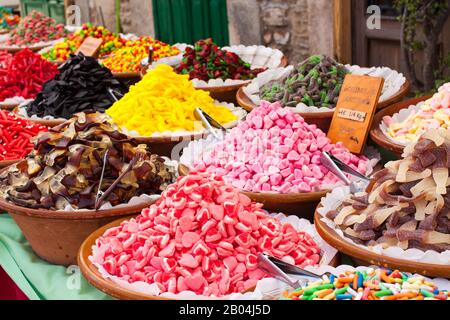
[{"x": 188, "y": 261}]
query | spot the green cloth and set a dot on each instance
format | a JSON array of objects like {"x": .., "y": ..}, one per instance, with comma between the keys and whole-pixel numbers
[{"x": 38, "y": 279}]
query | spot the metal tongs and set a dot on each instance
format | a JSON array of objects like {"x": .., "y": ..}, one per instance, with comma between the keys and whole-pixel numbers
[
  {"x": 210, "y": 123},
  {"x": 279, "y": 270},
  {"x": 337, "y": 167},
  {"x": 115, "y": 94}
]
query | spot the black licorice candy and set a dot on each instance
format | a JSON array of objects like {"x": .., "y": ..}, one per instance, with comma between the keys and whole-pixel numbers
[{"x": 83, "y": 85}]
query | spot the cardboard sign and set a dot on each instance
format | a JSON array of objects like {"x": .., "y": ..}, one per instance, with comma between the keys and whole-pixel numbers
[
  {"x": 355, "y": 110},
  {"x": 90, "y": 47}
]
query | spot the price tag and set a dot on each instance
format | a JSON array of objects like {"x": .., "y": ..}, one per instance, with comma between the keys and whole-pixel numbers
[
  {"x": 90, "y": 47},
  {"x": 355, "y": 110}
]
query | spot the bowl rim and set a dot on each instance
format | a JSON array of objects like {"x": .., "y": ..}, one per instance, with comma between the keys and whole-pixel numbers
[
  {"x": 244, "y": 101},
  {"x": 72, "y": 215},
  {"x": 378, "y": 135},
  {"x": 271, "y": 196},
  {"x": 48, "y": 123},
  {"x": 93, "y": 276},
  {"x": 332, "y": 238}
]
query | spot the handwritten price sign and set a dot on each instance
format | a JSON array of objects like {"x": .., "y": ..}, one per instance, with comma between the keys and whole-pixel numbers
[{"x": 355, "y": 110}]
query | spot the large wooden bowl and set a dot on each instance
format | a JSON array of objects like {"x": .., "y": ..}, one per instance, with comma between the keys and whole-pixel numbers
[
  {"x": 225, "y": 93},
  {"x": 7, "y": 163},
  {"x": 164, "y": 146},
  {"x": 377, "y": 134},
  {"x": 299, "y": 204},
  {"x": 56, "y": 236},
  {"x": 12, "y": 49},
  {"x": 399, "y": 95},
  {"x": 8, "y": 106},
  {"x": 322, "y": 119},
  {"x": 93, "y": 276},
  {"x": 47, "y": 123},
  {"x": 302, "y": 205},
  {"x": 366, "y": 257}
]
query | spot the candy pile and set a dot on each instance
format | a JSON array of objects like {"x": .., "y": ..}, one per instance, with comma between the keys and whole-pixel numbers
[
  {"x": 65, "y": 168},
  {"x": 82, "y": 86},
  {"x": 371, "y": 284},
  {"x": 8, "y": 20},
  {"x": 164, "y": 101},
  {"x": 15, "y": 135},
  {"x": 207, "y": 61},
  {"x": 432, "y": 114},
  {"x": 23, "y": 74},
  {"x": 62, "y": 50},
  {"x": 407, "y": 206},
  {"x": 316, "y": 81},
  {"x": 275, "y": 150},
  {"x": 202, "y": 236},
  {"x": 35, "y": 28},
  {"x": 128, "y": 59}
]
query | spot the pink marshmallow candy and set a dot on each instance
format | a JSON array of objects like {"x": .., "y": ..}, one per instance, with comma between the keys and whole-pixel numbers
[{"x": 273, "y": 148}]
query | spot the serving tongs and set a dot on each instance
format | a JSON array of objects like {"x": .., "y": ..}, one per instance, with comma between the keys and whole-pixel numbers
[
  {"x": 337, "y": 167},
  {"x": 279, "y": 270},
  {"x": 115, "y": 94},
  {"x": 210, "y": 123}
]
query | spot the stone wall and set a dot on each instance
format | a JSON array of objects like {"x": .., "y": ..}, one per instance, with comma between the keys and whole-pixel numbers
[
  {"x": 297, "y": 27},
  {"x": 136, "y": 15}
]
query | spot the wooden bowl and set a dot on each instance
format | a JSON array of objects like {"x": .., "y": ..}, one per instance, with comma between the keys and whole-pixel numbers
[
  {"x": 47, "y": 123},
  {"x": 12, "y": 49},
  {"x": 368, "y": 257},
  {"x": 404, "y": 90},
  {"x": 7, "y": 163},
  {"x": 225, "y": 93},
  {"x": 377, "y": 134},
  {"x": 8, "y": 106},
  {"x": 322, "y": 119},
  {"x": 302, "y": 205},
  {"x": 164, "y": 146},
  {"x": 93, "y": 276},
  {"x": 56, "y": 236}
]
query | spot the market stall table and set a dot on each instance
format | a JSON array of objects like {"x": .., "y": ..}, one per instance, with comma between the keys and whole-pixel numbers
[{"x": 37, "y": 279}]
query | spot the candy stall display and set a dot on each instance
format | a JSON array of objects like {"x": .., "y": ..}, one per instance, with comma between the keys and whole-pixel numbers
[
  {"x": 82, "y": 85},
  {"x": 314, "y": 82},
  {"x": 312, "y": 88},
  {"x": 203, "y": 239},
  {"x": 34, "y": 31},
  {"x": 138, "y": 165},
  {"x": 404, "y": 215},
  {"x": 408, "y": 125},
  {"x": 22, "y": 76},
  {"x": 206, "y": 61},
  {"x": 222, "y": 71},
  {"x": 274, "y": 151},
  {"x": 370, "y": 284},
  {"x": 62, "y": 50},
  {"x": 160, "y": 108},
  {"x": 127, "y": 60},
  {"x": 83, "y": 169}
]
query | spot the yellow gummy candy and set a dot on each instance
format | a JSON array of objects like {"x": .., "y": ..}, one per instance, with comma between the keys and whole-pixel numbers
[{"x": 165, "y": 101}]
